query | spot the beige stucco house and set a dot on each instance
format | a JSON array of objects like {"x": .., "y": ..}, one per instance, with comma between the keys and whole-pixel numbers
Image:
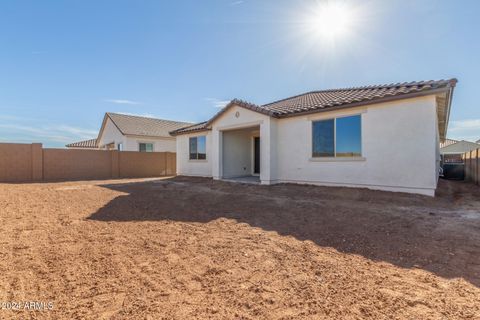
[
  {"x": 133, "y": 133},
  {"x": 379, "y": 137}
]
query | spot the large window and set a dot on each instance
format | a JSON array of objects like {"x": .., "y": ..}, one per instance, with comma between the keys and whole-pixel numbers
[
  {"x": 339, "y": 137},
  {"x": 198, "y": 148},
  {"x": 145, "y": 147}
]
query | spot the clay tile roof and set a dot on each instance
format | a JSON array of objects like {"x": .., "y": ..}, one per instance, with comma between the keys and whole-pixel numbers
[
  {"x": 144, "y": 126},
  {"x": 193, "y": 128},
  {"x": 92, "y": 143},
  {"x": 325, "y": 99}
]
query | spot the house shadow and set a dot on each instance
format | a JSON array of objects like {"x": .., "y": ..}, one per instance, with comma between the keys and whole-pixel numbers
[{"x": 440, "y": 235}]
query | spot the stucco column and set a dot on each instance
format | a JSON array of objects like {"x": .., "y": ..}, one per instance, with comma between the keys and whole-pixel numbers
[
  {"x": 217, "y": 145},
  {"x": 265, "y": 168},
  {"x": 268, "y": 151},
  {"x": 273, "y": 151}
]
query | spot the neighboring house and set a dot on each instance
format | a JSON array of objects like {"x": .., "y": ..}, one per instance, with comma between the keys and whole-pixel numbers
[
  {"x": 380, "y": 137},
  {"x": 133, "y": 133},
  {"x": 86, "y": 144},
  {"x": 452, "y": 150}
]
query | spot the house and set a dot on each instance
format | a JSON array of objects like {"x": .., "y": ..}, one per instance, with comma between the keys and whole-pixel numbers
[
  {"x": 382, "y": 137},
  {"x": 452, "y": 150},
  {"x": 86, "y": 144},
  {"x": 134, "y": 133}
]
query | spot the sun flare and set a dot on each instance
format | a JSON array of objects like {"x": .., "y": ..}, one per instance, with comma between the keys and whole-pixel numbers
[{"x": 330, "y": 20}]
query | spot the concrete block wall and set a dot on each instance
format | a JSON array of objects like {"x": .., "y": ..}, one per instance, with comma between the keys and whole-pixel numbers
[
  {"x": 472, "y": 166},
  {"x": 75, "y": 164},
  {"x": 153, "y": 164},
  {"x": 31, "y": 162},
  {"x": 37, "y": 161},
  {"x": 19, "y": 162}
]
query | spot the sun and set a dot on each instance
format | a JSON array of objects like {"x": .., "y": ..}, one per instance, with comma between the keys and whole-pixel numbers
[{"x": 330, "y": 20}]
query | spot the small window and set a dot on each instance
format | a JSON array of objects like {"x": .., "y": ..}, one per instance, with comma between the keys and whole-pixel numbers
[
  {"x": 340, "y": 137},
  {"x": 120, "y": 147},
  {"x": 197, "y": 148},
  {"x": 145, "y": 147}
]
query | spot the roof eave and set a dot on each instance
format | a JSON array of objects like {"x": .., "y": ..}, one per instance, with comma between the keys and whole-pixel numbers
[
  {"x": 147, "y": 136},
  {"x": 179, "y": 133},
  {"x": 451, "y": 88}
]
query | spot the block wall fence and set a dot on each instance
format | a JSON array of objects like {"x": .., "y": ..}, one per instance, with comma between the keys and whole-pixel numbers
[
  {"x": 472, "y": 166},
  {"x": 31, "y": 162}
]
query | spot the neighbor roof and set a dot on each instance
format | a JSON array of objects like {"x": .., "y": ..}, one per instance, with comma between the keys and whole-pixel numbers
[
  {"x": 461, "y": 146},
  {"x": 447, "y": 142},
  {"x": 325, "y": 100},
  {"x": 142, "y": 126},
  {"x": 92, "y": 143}
]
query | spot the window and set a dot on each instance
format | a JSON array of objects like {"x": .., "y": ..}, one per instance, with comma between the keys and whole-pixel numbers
[
  {"x": 120, "y": 146},
  {"x": 348, "y": 133},
  {"x": 323, "y": 138},
  {"x": 339, "y": 137},
  {"x": 198, "y": 148},
  {"x": 145, "y": 147}
]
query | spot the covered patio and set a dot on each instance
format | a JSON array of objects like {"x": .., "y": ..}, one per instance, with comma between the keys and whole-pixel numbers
[{"x": 240, "y": 156}]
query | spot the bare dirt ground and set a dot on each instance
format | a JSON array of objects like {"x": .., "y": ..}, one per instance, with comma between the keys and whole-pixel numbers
[{"x": 187, "y": 248}]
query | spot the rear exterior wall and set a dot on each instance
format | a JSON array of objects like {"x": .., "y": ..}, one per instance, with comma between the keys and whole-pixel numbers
[
  {"x": 399, "y": 149},
  {"x": 187, "y": 167}
]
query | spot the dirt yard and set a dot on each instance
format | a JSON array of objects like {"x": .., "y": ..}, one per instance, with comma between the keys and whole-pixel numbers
[{"x": 187, "y": 248}]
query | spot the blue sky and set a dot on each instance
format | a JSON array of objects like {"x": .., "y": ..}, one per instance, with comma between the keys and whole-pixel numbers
[{"x": 63, "y": 64}]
